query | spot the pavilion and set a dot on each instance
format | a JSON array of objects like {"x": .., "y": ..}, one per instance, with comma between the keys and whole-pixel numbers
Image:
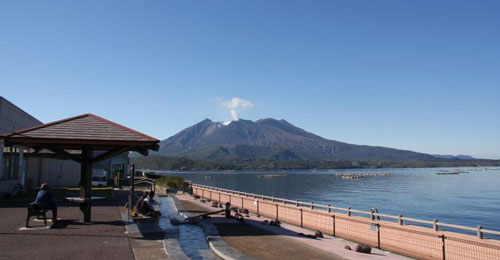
[{"x": 86, "y": 139}]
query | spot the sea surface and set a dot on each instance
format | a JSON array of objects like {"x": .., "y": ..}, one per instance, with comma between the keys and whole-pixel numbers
[{"x": 470, "y": 198}]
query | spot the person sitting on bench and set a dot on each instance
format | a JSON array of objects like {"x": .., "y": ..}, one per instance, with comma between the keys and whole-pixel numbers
[
  {"x": 147, "y": 205},
  {"x": 44, "y": 199},
  {"x": 140, "y": 202}
]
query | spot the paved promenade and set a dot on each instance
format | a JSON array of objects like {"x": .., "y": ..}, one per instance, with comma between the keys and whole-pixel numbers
[
  {"x": 69, "y": 238},
  {"x": 267, "y": 242}
]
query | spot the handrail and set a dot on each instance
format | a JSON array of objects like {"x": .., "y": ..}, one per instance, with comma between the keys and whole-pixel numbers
[{"x": 435, "y": 223}]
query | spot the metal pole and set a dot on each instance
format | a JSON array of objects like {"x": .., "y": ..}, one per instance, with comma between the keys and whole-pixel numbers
[{"x": 132, "y": 188}]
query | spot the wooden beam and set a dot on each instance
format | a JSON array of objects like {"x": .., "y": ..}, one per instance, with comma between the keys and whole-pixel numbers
[
  {"x": 141, "y": 150},
  {"x": 110, "y": 154},
  {"x": 61, "y": 152}
]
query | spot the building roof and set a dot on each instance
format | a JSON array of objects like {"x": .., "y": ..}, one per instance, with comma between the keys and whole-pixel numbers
[{"x": 86, "y": 129}]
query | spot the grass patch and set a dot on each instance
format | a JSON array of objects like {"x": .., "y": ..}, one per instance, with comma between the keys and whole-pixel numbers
[{"x": 170, "y": 182}]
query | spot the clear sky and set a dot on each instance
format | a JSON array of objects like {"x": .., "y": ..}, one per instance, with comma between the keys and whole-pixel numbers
[{"x": 417, "y": 75}]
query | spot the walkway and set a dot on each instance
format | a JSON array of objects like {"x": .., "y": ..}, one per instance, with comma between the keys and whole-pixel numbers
[{"x": 267, "y": 242}]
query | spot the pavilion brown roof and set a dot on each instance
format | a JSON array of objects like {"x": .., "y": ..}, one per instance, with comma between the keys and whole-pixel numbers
[{"x": 86, "y": 129}]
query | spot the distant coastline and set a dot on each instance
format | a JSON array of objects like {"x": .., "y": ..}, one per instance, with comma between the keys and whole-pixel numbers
[{"x": 185, "y": 164}]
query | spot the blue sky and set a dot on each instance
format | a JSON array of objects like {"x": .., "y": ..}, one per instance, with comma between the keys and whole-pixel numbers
[{"x": 416, "y": 75}]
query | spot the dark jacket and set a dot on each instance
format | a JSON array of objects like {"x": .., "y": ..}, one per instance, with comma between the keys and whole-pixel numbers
[
  {"x": 138, "y": 205},
  {"x": 44, "y": 197}
]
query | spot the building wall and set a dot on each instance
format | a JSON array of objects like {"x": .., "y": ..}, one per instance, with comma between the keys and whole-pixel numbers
[
  {"x": 12, "y": 118},
  {"x": 62, "y": 172},
  {"x": 53, "y": 171}
]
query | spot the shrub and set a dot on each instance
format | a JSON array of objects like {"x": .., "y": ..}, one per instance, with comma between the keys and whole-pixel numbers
[{"x": 170, "y": 182}]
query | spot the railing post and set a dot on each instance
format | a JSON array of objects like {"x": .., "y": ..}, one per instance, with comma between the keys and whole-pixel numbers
[
  {"x": 219, "y": 197},
  {"x": 312, "y": 204},
  {"x": 258, "y": 214},
  {"x": 241, "y": 202},
  {"x": 435, "y": 225},
  {"x": 276, "y": 211},
  {"x": 479, "y": 232},
  {"x": 443, "y": 246},
  {"x": 349, "y": 211},
  {"x": 400, "y": 219},
  {"x": 329, "y": 209},
  {"x": 333, "y": 218},
  {"x": 301, "y": 219},
  {"x": 378, "y": 235}
]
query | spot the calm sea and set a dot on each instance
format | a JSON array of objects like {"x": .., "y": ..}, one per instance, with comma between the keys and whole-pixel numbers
[{"x": 470, "y": 198}]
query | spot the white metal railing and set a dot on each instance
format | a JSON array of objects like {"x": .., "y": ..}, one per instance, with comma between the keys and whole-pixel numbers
[{"x": 348, "y": 211}]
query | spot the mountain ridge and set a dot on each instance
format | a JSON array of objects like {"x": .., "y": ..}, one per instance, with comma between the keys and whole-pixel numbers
[{"x": 270, "y": 139}]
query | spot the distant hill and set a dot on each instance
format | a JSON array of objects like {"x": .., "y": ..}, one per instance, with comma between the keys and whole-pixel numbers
[
  {"x": 270, "y": 139},
  {"x": 458, "y": 157}
]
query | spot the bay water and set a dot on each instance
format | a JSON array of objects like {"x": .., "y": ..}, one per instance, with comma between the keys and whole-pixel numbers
[{"x": 470, "y": 198}]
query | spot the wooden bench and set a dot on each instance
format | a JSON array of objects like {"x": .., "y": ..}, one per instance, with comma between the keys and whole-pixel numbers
[{"x": 37, "y": 210}]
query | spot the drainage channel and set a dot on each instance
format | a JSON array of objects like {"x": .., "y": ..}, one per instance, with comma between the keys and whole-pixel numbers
[{"x": 191, "y": 238}]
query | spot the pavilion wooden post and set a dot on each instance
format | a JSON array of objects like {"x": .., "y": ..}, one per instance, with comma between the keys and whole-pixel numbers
[{"x": 86, "y": 183}]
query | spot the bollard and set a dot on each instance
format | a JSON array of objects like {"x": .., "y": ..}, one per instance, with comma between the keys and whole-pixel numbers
[{"x": 435, "y": 225}]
